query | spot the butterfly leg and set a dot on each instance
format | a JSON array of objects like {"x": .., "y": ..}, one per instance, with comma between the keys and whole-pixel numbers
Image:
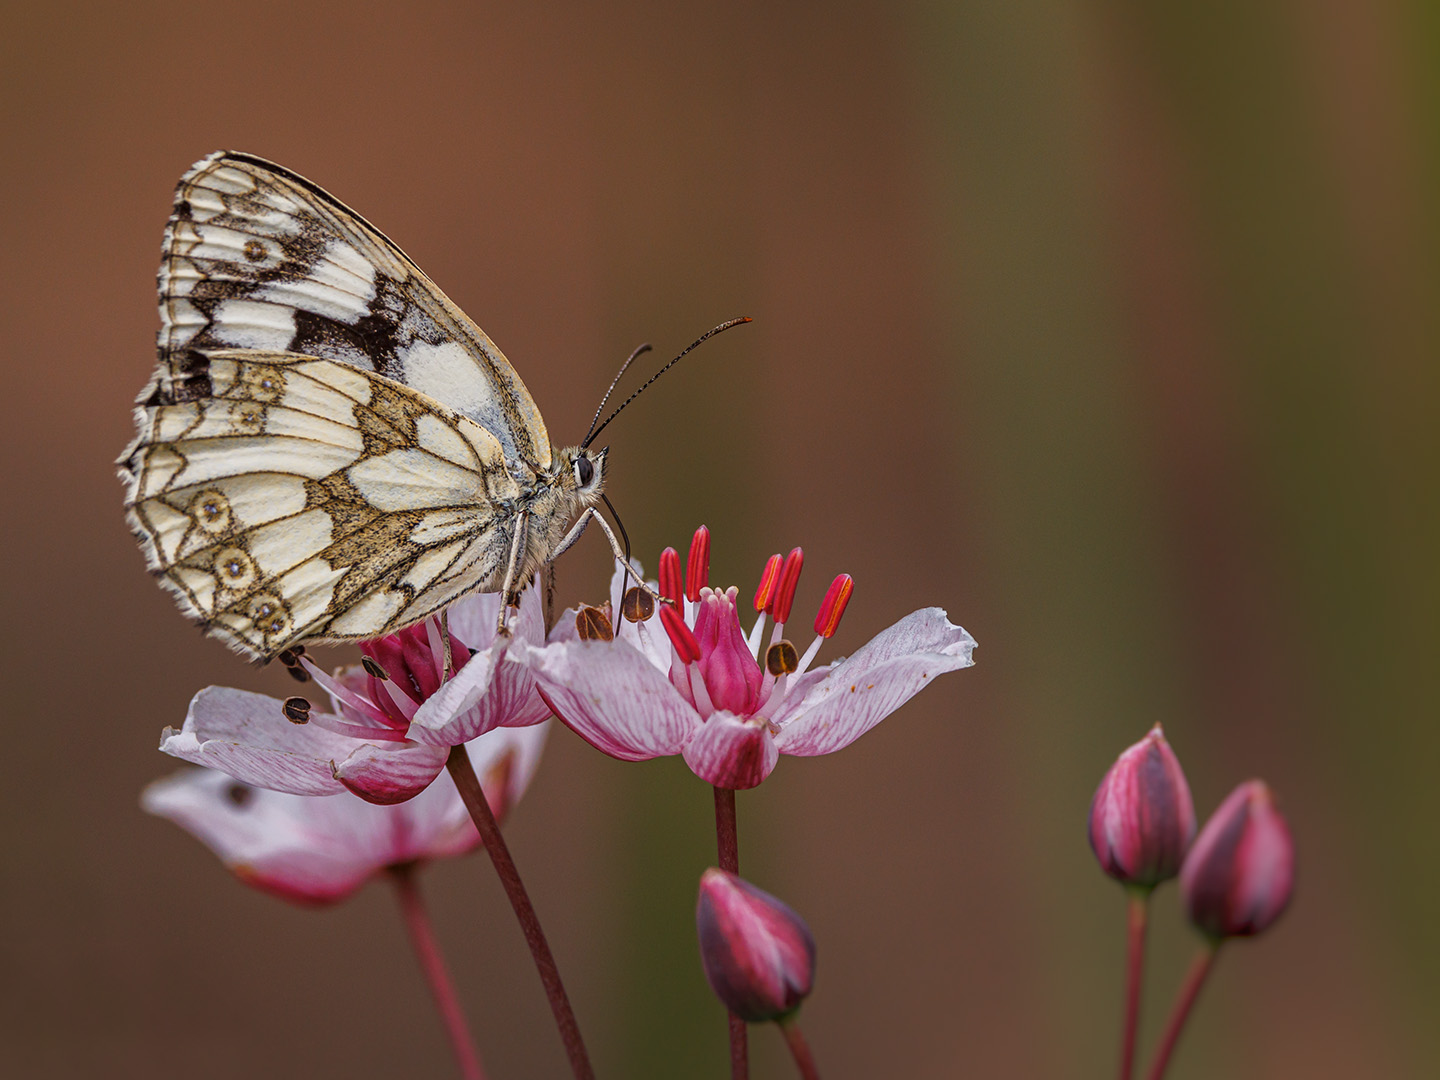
[
  {"x": 579, "y": 527},
  {"x": 512, "y": 572},
  {"x": 449, "y": 668}
]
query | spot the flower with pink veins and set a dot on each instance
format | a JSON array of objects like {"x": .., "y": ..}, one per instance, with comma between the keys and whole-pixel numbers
[
  {"x": 687, "y": 680},
  {"x": 393, "y": 720},
  {"x": 320, "y": 850}
]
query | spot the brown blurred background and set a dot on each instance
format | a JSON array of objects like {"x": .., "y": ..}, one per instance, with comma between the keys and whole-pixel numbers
[{"x": 1111, "y": 327}]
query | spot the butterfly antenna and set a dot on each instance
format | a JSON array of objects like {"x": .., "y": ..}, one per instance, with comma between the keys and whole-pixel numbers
[
  {"x": 703, "y": 337},
  {"x": 613, "y": 383}
]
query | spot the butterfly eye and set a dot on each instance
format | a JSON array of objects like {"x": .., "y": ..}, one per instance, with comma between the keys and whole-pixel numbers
[{"x": 584, "y": 471}]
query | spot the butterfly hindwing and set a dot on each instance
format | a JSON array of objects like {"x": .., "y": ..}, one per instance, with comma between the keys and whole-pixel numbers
[
  {"x": 286, "y": 497},
  {"x": 257, "y": 257}
]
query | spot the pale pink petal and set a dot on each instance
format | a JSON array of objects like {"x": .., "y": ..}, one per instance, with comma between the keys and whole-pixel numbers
[
  {"x": 301, "y": 847},
  {"x": 507, "y": 756},
  {"x": 564, "y": 628},
  {"x": 647, "y": 637},
  {"x": 823, "y": 715},
  {"x": 247, "y": 736},
  {"x": 484, "y": 694},
  {"x": 611, "y": 696},
  {"x": 472, "y": 619},
  {"x": 732, "y": 752},
  {"x": 390, "y": 772}
]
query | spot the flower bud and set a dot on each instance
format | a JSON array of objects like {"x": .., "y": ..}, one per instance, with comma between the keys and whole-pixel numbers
[
  {"x": 1240, "y": 872},
  {"x": 758, "y": 954},
  {"x": 1142, "y": 818}
]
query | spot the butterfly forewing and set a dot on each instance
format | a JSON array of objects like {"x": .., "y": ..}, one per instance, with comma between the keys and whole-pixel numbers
[
  {"x": 301, "y": 498},
  {"x": 256, "y": 257}
]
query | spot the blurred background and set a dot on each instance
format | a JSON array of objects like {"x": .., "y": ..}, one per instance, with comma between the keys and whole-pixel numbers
[{"x": 1111, "y": 327}]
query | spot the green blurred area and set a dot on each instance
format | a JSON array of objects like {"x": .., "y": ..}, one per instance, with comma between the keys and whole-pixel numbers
[{"x": 1110, "y": 327}]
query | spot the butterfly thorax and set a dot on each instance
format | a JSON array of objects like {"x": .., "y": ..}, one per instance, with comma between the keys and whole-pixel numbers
[{"x": 565, "y": 491}]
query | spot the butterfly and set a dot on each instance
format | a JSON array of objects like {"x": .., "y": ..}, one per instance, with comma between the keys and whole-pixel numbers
[{"x": 330, "y": 449}]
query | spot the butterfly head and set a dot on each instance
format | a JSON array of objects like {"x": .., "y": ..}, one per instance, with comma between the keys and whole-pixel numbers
[{"x": 585, "y": 470}]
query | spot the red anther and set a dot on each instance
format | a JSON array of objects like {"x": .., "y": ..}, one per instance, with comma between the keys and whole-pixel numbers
[
  {"x": 769, "y": 578},
  {"x": 833, "y": 606},
  {"x": 680, "y": 635},
  {"x": 697, "y": 567},
  {"x": 789, "y": 579},
  {"x": 670, "y": 586}
]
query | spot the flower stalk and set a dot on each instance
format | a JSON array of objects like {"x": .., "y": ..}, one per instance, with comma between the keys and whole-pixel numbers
[
  {"x": 727, "y": 841},
  {"x": 1195, "y": 979},
  {"x": 799, "y": 1048},
  {"x": 432, "y": 964},
  {"x": 1138, "y": 912},
  {"x": 469, "y": 786}
]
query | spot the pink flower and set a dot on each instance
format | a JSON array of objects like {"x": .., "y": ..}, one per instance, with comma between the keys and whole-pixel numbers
[
  {"x": 320, "y": 850},
  {"x": 686, "y": 680},
  {"x": 1240, "y": 872},
  {"x": 392, "y": 723},
  {"x": 1142, "y": 818},
  {"x": 759, "y": 956}
]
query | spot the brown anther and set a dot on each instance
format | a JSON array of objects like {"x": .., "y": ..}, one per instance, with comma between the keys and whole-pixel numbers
[
  {"x": 781, "y": 658},
  {"x": 593, "y": 624},
  {"x": 291, "y": 659},
  {"x": 239, "y": 794},
  {"x": 638, "y": 604},
  {"x": 296, "y": 710},
  {"x": 373, "y": 669}
]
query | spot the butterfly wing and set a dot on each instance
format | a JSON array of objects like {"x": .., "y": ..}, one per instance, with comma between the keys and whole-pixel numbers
[
  {"x": 258, "y": 257},
  {"x": 284, "y": 498}
]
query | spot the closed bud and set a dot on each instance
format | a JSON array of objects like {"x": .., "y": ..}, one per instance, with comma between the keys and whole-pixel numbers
[
  {"x": 1240, "y": 872},
  {"x": 758, "y": 954},
  {"x": 1142, "y": 818}
]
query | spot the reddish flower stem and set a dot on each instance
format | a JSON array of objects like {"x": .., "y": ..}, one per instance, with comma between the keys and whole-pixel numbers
[
  {"x": 1184, "y": 1001},
  {"x": 470, "y": 791},
  {"x": 432, "y": 963},
  {"x": 727, "y": 840},
  {"x": 799, "y": 1048},
  {"x": 1139, "y": 908}
]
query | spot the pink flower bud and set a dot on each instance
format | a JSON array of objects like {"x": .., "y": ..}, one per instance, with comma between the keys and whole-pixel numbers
[
  {"x": 1142, "y": 818},
  {"x": 1240, "y": 873},
  {"x": 758, "y": 954}
]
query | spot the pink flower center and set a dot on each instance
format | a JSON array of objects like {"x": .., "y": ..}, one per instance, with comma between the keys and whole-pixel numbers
[
  {"x": 401, "y": 672},
  {"x": 714, "y": 664}
]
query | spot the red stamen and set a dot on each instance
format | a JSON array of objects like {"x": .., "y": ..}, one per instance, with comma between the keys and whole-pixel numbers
[
  {"x": 680, "y": 636},
  {"x": 697, "y": 567},
  {"x": 769, "y": 578},
  {"x": 833, "y": 606},
  {"x": 789, "y": 579},
  {"x": 670, "y": 586}
]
